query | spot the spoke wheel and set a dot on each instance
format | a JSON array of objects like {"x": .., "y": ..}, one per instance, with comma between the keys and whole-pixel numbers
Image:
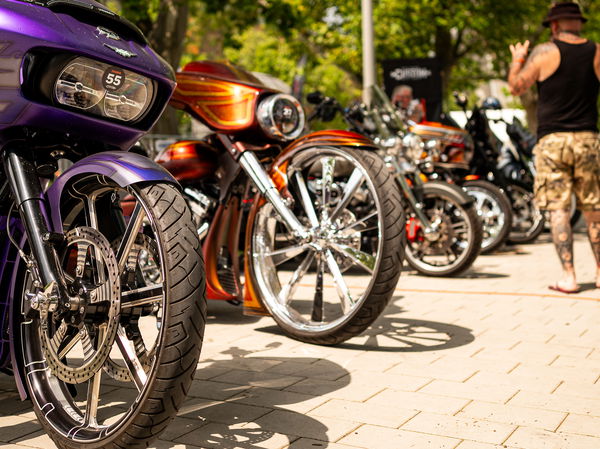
[
  {"x": 113, "y": 371},
  {"x": 528, "y": 221},
  {"x": 494, "y": 210},
  {"x": 455, "y": 243},
  {"x": 332, "y": 285}
]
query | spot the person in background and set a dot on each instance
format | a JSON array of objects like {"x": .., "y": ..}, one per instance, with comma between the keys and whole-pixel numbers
[
  {"x": 567, "y": 73},
  {"x": 411, "y": 109}
]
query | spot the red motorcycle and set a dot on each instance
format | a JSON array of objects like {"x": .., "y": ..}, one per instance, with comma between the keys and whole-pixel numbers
[{"x": 315, "y": 209}]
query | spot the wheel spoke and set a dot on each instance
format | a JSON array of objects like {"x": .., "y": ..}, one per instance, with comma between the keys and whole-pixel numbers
[
  {"x": 317, "y": 312},
  {"x": 141, "y": 297},
  {"x": 93, "y": 393},
  {"x": 306, "y": 200},
  {"x": 349, "y": 229},
  {"x": 354, "y": 182},
  {"x": 328, "y": 164},
  {"x": 287, "y": 292},
  {"x": 362, "y": 259},
  {"x": 338, "y": 279},
  {"x": 280, "y": 256},
  {"x": 133, "y": 227},
  {"x": 134, "y": 366},
  {"x": 68, "y": 344}
]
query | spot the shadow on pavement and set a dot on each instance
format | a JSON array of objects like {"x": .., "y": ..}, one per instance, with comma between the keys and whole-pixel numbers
[
  {"x": 239, "y": 408},
  {"x": 222, "y": 312},
  {"x": 391, "y": 333}
]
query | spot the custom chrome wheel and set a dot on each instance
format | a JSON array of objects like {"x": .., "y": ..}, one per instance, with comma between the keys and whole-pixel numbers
[
  {"x": 494, "y": 210},
  {"x": 454, "y": 240},
  {"x": 331, "y": 285},
  {"x": 126, "y": 345},
  {"x": 528, "y": 220}
]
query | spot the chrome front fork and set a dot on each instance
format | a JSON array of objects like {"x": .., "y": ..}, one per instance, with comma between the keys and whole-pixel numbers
[
  {"x": 416, "y": 206},
  {"x": 254, "y": 169}
]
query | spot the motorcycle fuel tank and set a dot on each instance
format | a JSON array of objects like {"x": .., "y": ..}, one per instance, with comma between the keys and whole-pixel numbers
[{"x": 221, "y": 95}]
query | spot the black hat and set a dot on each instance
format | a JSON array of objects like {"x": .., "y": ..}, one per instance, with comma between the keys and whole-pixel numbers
[{"x": 564, "y": 10}]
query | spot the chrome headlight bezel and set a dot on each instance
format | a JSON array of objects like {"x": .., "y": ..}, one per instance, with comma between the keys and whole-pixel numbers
[
  {"x": 103, "y": 90},
  {"x": 267, "y": 117}
]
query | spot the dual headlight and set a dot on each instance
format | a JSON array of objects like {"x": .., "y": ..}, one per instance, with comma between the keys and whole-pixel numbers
[
  {"x": 281, "y": 117},
  {"x": 104, "y": 90}
]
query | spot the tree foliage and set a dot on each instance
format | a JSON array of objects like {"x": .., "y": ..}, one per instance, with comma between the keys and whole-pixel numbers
[{"x": 471, "y": 37}]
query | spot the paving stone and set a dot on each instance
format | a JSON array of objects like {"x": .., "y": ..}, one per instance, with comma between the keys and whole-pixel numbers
[
  {"x": 458, "y": 373},
  {"x": 561, "y": 403},
  {"x": 369, "y": 413},
  {"x": 566, "y": 374},
  {"x": 530, "y": 438},
  {"x": 475, "y": 445},
  {"x": 374, "y": 437},
  {"x": 215, "y": 390},
  {"x": 582, "y": 389},
  {"x": 461, "y": 428},
  {"x": 517, "y": 416},
  {"x": 306, "y": 443},
  {"x": 36, "y": 440},
  {"x": 539, "y": 384},
  {"x": 339, "y": 389},
  {"x": 419, "y": 401},
  {"x": 483, "y": 392},
  {"x": 318, "y": 428},
  {"x": 258, "y": 379},
  {"x": 287, "y": 400},
  {"x": 223, "y": 436},
  {"x": 581, "y": 425},
  {"x": 14, "y": 427}
]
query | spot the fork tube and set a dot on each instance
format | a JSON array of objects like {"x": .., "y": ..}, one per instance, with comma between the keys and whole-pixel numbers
[
  {"x": 28, "y": 195},
  {"x": 265, "y": 185},
  {"x": 407, "y": 190}
]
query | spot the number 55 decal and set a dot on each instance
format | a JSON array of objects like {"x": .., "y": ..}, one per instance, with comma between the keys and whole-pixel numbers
[{"x": 113, "y": 79}]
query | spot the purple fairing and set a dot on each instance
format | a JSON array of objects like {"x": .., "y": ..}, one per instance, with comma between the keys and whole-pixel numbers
[
  {"x": 121, "y": 167},
  {"x": 25, "y": 27}
]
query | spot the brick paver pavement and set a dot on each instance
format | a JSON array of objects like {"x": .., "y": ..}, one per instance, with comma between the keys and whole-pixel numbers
[{"x": 487, "y": 361}]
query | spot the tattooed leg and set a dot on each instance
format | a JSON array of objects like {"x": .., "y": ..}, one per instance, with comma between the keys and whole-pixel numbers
[
  {"x": 592, "y": 219},
  {"x": 562, "y": 236}
]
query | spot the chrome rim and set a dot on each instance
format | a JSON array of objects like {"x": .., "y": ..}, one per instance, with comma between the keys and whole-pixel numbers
[
  {"x": 448, "y": 246},
  {"x": 304, "y": 283},
  {"x": 490, "y": 213},
  {"x": 526, "y": 216},
  {"x": 93, "y": 409}
]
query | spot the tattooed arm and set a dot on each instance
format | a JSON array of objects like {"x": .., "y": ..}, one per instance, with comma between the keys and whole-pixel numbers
[{"x": 522, "y": 75}]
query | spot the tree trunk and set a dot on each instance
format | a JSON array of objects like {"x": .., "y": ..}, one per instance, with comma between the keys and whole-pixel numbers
[
  {"x": 168, "y": 39},
  {"x": 444, "y": 50}
]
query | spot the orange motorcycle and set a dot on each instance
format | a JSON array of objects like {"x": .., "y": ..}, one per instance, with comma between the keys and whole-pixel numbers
[{"x": 322, "y": 216}]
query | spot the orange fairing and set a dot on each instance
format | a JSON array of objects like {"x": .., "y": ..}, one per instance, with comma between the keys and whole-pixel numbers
[{"x": 222, "y": 105}]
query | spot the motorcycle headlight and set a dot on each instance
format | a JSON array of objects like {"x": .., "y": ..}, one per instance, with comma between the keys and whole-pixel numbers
[
  {"x": 103, "y": 89},
  {"x": 413, "y": 146},
  {"x": 281, "y": 117}
]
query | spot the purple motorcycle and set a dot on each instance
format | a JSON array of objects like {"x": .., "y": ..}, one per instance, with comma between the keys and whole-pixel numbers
[{"x": 102, "y": 305}]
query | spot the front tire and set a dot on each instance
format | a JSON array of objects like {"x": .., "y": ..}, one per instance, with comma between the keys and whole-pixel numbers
[
  {"x": 161, "y": 315},
  {"x": 495, "y": 212},
  {"x": 457, "y": 242},
  {"x": 528, "y": 221},
  {"x": 354, "y": 210}
]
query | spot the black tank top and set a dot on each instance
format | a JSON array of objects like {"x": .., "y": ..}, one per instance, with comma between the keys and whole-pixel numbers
[{"x": 568, "y": 99}]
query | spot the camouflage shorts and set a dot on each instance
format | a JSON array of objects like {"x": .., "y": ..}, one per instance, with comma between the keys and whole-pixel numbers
[{"x": 567, "y": 163}]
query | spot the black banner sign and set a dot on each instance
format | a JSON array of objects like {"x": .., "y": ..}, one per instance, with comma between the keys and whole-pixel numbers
[{"x": 425, "y": 78}]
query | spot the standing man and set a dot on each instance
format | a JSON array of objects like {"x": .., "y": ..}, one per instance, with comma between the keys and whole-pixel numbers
[
  {"x": 411, "y": 109},
  {"x": 567, "y": 72}
]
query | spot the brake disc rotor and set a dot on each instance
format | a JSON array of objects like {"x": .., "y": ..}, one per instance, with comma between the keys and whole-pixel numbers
[
  {"x": 144, "y": 254},
  {"x": 95, "y": 259}
]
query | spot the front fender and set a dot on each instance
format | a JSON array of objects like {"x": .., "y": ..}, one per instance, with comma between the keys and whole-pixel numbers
[
  {"x": 121, "y": 167},
  {"x": 329, "y": 138}
]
